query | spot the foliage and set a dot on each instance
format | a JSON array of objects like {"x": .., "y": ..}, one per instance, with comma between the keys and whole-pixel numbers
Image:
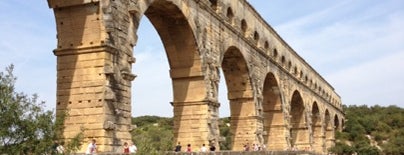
[
  {"x": 153, "y": 135},
  {"x": 368, "y": 130},
  {"x": 26, "y": 128},
  {"x": 225, "y": 132},
  {"x": 371, "y": 130},
  {"x": 75, "y": 143}
]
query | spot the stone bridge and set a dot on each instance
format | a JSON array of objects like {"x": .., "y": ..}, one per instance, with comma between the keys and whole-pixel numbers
[{"x": 276, "y": 98}]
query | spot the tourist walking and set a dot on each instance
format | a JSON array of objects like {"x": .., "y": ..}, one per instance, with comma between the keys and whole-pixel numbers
[
  {"x": 203, "y": 148},
  {"x": 189, "y": 149},
  {"x": 125, "y": 148},
  {"x": 92, "y": 147},
  {"x": 178, "y": 147},
  {"x": 132, "y": 148}
]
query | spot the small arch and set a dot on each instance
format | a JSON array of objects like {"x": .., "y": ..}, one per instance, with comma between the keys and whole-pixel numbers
[
  {"x": 266, "y": 45},
  {"x": 295, "y": 70},
  {"x": 283, "y": 60},
  {"x": 244, "y": 26},
  {"x": 213, "y": 4},
  {"x": 230, "y": 14},
  {"x": 305, "y": 79},
  {"x": 301, "y": 74},
  {"x": 256, "y": 36},
  {"x": 275, "y": 53},
  {"x": 289, "y": 65}
]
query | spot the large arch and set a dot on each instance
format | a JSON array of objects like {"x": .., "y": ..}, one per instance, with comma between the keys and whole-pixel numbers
[
  {"x": 337, "y": 127},
  {"x": 189, "y": 91},
  {"x": 299, "y": 130},
  {"x": 318, "y": 136},
  {"x": 240, "y": 95},
  {"x": 273, "y": 115},
  {"x": 328, "y": 129}
]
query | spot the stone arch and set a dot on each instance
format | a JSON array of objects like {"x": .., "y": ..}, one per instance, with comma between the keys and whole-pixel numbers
[
  {"x": 213, "y": 4},
  {"x": 244, "y": 27},
  {"x": 266, "y": 45},
  {"x": 328, "y": 129},
  {"x": 275, "y": 53},
  {"x": 336, "y": 123},
  {"x": 298, "y": 131},
  {"x": 230, "y": 14},
  {"x": 256, "y": 37},
  {"x": 318, "y": 137},
  {"x": 240, "y": 95},
  {"x": 273, "y": 123},
  {"x": 177, "y": 35}
]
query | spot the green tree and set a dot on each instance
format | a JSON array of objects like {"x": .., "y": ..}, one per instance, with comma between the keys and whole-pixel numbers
[
  {"x": 372, "y": 130},
  {"x": 25, "y": 126},
  {"x": 225, "y": 133}
]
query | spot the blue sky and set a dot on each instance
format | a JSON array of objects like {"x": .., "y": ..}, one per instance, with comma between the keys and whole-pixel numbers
[{"x": 357, "y": 46}]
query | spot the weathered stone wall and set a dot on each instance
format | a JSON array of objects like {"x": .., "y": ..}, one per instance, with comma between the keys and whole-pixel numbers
[{"x": 276, "y": 98}]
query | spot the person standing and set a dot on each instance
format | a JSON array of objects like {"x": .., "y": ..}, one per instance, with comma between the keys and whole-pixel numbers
[
  {"x": 125, "y": 148},
  {"x": 212, "y": 148},
  {"x": 178, "y": 147},
  {"x": 54, "y": 147},
  {"x": 61, "y": 149},
  {"x": 189, "y": 149},
  {"x": 132, "y": 148},
  {"x": 92, "y": 147},
  {"x": 203, "y": 148}
]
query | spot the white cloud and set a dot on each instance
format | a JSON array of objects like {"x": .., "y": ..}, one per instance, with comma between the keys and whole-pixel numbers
[{"x": 376, "y": 82}]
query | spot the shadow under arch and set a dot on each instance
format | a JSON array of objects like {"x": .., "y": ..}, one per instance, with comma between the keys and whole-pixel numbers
[
  {"x": 336, "y": 123},
  {"x": 318, "y": 137},
  {"x": 240, "y": 96},
  {"x": 328, "y": 130},
  {"x": 188, "y": 83},
  {"x": 299, "y": 130},
  {"x": 273, "y": 116}
]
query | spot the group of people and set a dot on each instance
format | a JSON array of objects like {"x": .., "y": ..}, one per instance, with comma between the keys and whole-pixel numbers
[
  {"x": 127, "y": 149},
  {"x": 255, "y": 147},
  {"x": 203, "y": 148}
]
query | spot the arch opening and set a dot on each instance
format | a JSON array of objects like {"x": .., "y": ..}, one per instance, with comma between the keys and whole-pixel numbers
[
  {"x": 316, "y": 128},
  {"x": 299, "y": 131},
  {"x": 273, "y": 116},
  {"x": 184, "y": 67},
  {"x": 240, "y": 96},
  {"x": 336, "y": 123},
  {"x": 328, "y": 129}
]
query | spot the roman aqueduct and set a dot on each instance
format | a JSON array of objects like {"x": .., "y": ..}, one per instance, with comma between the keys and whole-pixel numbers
[{"x": 276, "y": 98}]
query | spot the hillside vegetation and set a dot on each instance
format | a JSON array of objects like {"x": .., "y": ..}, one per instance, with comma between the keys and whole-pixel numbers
[
  {"x": 372, "y": 130},
  {"x": 368, "y": 130}
]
